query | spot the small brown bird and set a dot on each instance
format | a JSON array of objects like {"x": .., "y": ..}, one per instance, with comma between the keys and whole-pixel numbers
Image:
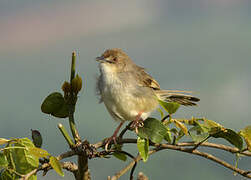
[{"x": 128, "y": 92}]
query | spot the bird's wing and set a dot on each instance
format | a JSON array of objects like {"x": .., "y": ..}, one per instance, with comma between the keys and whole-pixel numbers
[{"x": 145, "y": 79}]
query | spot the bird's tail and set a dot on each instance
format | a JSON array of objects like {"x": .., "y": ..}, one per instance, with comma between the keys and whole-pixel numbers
[{"x": 177, "y": 96}]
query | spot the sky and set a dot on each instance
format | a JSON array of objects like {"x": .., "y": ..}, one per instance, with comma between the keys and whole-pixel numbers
[{"x": 197, "y": 45}]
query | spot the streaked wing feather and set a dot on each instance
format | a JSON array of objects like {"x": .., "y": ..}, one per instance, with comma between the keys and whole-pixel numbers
[{"x": 144, "y": 79}]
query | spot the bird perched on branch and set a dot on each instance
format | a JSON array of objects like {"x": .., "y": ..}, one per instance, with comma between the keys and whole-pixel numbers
[{"x": 128, "y": 92}]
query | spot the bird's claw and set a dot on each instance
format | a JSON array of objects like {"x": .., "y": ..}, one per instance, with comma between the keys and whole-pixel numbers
[
  {"x": 137, "y": 124},
  {"x": 108, "y": 142}
]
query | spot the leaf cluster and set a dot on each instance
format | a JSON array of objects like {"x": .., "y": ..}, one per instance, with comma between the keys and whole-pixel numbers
[
  {"x": 20, "y": 156},
  {"x": 198, "y": 129}
]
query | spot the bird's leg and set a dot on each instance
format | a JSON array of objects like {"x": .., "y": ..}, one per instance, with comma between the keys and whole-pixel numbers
[
  {"x": 113, "y": 137},
  {"x": 138, "y": 122}
]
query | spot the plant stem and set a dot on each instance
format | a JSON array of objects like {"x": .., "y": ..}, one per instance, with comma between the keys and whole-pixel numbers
[
  {"x": 66, "y": 135},
  {"x": 73, "y": 65},
  {"x": 83, "y": 173},
  {"x": 72, "y": 103}
]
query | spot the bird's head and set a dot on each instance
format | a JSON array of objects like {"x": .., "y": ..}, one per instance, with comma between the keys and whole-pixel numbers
[{"x": 114, "y": 60}]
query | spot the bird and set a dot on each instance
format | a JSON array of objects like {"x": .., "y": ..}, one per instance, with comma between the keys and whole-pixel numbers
[{"x": 129, "y": 92}]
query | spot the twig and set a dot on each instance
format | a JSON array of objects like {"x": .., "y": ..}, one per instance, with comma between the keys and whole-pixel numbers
[
  {"x": 217, "y": 146},
  {"x": 132, "y": 171},
  {"x": 135, "y": 164},
  {"x": 124, "y": 130},
  {"x": 199, "y": 143},
  {"x": 206, "y": 144},
  {"x": 129, "y": 155},
  {"x": 187, "y": 150},
  {"x": 46, "y": 165},
  {"x": 83, "y": 173},
  {"x": 66, "y": 135},
  {"x": 164, "y": 118},
  {"x": 124, "y": 170},
  {"x": 130, "y": 165},
  {"x": 66, "y": 155},
  {"x": 177, "y": 147},
  {"x": 72, "y": 103},
  {"x": 69, "y": 166},
  {"x": 207, "y": 156}
]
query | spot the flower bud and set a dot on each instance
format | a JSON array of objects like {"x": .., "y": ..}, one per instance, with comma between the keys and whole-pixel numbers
[
  {"x": 66, "y": 87},
  {"x": 76, "y": 84}
]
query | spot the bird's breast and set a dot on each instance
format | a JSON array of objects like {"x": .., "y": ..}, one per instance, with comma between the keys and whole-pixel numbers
[{"x": 124, "y": 100}]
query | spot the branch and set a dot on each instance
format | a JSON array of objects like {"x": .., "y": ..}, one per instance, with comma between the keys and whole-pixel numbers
[
  {"x": 69, "y": 166},
  {"x": 74, "y": 131},
  {"x": 83, "y": 173},
  {"x": 218, "y": 146},
  {"x": 128, "y": 126},
  {"x": 187, "y": 150},
  {"x": 127, "y": 168},
  {"x": 134, "y": 166},
  {"x": 65, "y": 165},
  {"x": 207, "y": 156},
  {"x": 205, "y": 144},
  {"x": 180, "y": 147}
]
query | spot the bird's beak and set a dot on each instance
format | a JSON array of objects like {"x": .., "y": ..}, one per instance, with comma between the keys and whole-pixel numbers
[{"x": 102, "y": 59}]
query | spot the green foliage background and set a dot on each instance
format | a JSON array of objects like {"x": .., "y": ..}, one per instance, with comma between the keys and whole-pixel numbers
[{"x": 193, "y": 45}]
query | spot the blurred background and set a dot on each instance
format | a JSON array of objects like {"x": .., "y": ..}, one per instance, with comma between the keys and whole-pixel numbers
[{"x": 198, "y": 45}]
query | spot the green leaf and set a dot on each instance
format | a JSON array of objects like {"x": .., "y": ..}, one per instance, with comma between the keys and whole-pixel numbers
[
  {"x": 36, "y": 138},
  {"x": 25, "y": 142},
  {"x": 38, "y": 152},
  {"x": 120, "y": 156},
  {"x": 203, "y": 128},
  {"x": 246, "y": 134},
  {"x": 198, "y": 134},
  {"x": 19, "y": 159},
  {"x": 180, "y": 135},
  {"x": 170, "y": 107},
  {"x": 231, "y": 136},
  {"x": 6, "y": 175},
  {"x": 3, "y": 141},
  {"x": 153, "y": 129},
  {"x": 180, "y": 125},
  {"x": 23, "y": 159},
  {"x": 52, "y": 103},
  {"x": 161, "y": 113},
  {"x": 23, "y": 156},
  {"x": 213, "y": 127},
  {"x": 63, "y": 112},
  {"x": 174, "y": 131},
  {"x": 168, "y": 137},
  {"x": 143, "y": 147},
  {"x": 55, "y": 164},
  {"x": 3, "y": 161}
]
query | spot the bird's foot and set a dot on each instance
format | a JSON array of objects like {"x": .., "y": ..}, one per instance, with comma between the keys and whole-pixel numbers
[
  {"x": 113, "y": 137},
  {"x": 109, "y": 140},
  {"x": 138, "y": 123}
]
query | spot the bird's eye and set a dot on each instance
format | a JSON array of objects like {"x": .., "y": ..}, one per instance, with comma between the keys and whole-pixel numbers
[{"x": 115, "y": 59}]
